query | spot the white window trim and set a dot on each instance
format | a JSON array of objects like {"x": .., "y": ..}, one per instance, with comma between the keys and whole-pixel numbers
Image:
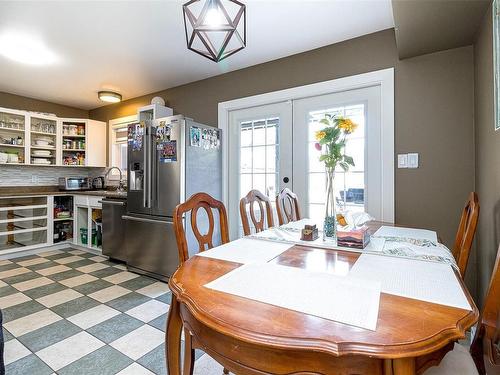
[
  {"x": 112, "y": 124},
  {"x": 383, "y": 78}
]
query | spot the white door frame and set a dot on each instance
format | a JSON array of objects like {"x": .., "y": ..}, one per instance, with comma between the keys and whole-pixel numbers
[{"x": 383, "y": 78}]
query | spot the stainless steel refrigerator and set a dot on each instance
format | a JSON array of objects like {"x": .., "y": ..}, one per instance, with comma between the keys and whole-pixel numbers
[{"x": 169, "y": 159}]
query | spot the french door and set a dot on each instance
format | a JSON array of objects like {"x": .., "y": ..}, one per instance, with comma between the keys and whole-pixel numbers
[{"x": 273, "y": 146}]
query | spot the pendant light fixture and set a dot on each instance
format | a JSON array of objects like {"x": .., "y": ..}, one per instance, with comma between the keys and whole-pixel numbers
[{"x": 215, "y": 29}]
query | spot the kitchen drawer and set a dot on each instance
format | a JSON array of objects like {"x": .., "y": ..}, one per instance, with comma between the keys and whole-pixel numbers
[{"x": 95, "y": 202}]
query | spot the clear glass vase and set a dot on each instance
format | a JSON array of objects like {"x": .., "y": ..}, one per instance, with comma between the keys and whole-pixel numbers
[{"x": 330, "y": 223}]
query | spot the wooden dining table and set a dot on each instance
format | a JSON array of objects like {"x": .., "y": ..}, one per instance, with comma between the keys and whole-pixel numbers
[{"x": 251, "y": 337}]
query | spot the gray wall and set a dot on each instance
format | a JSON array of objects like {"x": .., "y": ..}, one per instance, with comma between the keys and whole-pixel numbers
[
  {"x": 434, "y": 116},
  {"x": 487, "y": 155}
]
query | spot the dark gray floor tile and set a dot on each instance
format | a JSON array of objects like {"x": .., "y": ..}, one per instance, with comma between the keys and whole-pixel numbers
[
  {"x": 49, "y": 335},
  {"x": 79, "y": 263},
  {"x": 7, "y": 335},
  {"x": 138, "y": 283},
  {"x": 7, "y": 291},
  {"x": 28, "y": 365},
  {"x": 42, "y": 266},
  {"x": 27, "y": 257},
  {"x": 103, "y": 361},
  {"x": 9, "y": 266},
  {"x": 92, "y": 287},
  {"x": 59, "y": 256},
  {"x": 75, "y": 306},
  {"x": 21, "y": 310},
  {"x": 105, "y": 272},
  {"x": 45, "y": 290},
  {"x": 128, "y": 301},
  {"x": 109, "y": 263},
  {"x": 114, "y": 328},
  {"x": 20, "y": 278},
  {"x": 160, "y": 322},
  {"x": 85, "y": 254},
  {"x": 65, "y": 275},
  {"x": 155, "y": 360},
  {"x": 165, "y": 298}
]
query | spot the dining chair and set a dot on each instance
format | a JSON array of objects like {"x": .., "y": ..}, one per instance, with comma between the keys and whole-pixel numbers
[
  {"x": 205, "y": 241},
  {"x": 466, "y": 232},
  {"x": 287, "y": 206},
  {"x": 484, "y": 355},
  {"x": 264, "y": 216}
]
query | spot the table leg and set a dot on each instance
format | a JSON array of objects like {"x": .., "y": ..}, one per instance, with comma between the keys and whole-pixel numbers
[
  {"x": 173, "y": 338},
  {"x": 403, "y": 366}
]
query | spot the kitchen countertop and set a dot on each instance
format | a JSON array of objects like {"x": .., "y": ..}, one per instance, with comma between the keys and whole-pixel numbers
[{"x": 22, "y": 191}]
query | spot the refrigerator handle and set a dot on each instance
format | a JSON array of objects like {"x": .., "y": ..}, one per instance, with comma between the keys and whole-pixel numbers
[
  {"x": 145, "y": 158},
  {"x": 150, "y": 168}
]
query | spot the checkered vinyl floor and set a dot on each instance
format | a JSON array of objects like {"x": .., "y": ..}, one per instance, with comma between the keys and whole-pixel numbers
[{"x": 72, "y": 312}]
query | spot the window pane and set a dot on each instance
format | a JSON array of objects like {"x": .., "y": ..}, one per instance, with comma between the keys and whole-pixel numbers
[
  {"x": 259, "y": 159},
  {"x": 317, "y": 188},
  {"x": 271, "y": 180},
  {"x": 356, "y": 149},
  {"x": 259, "y": 133},
  {"x": 314, "y": 164},
  {"x": 245, "y": 184},
  {"x": 259, "y": 182},
  {"x": 271, "y": 159},
  {"x": 246, "y": 160},
  {"x": 272, "y": 133}
]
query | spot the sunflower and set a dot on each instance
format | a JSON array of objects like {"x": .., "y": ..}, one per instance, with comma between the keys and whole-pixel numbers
[
  {"x": 347, "y": 125},
  {"x": 320, "y": 135}
]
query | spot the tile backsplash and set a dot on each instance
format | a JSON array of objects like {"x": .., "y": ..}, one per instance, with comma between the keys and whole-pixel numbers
[{"x": 14, "y": 175}]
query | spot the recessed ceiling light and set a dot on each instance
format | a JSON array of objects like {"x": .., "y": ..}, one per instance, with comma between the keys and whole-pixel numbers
[
  {"x": 26, "y": 49},
  {"x": 109, "y": 96}
]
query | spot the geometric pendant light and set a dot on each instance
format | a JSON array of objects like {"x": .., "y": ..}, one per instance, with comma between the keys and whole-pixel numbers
[{"x": 215, "y": 29}]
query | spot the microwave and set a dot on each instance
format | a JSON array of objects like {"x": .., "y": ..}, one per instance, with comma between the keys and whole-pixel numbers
[{"x": 75, "y": 183}]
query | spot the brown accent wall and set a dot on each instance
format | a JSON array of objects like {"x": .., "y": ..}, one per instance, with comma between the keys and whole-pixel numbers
[
  {"x": 433, "y": 113},
  {"x": 23, "y": 103},
  {"x": 487, "y": 155}
]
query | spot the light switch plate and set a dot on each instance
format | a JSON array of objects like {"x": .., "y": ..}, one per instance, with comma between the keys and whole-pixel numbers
[
  {"x": 402, "y": 160},
  {"x": 413, "y": 160}
]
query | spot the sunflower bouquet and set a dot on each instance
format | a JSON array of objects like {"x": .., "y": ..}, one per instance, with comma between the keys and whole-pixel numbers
[{"x": 331, "y": 142}]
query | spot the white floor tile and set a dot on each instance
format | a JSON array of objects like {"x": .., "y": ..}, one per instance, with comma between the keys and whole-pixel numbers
[
  {"x": 2, "y": 284},
  {"x": 31, "y": 284},
  {"x": 32, "y": 262},
  {"x": 121, "y": 267},
  {"x": 5, "y": 262},
  {"x": 13, "y": 272},
  {"x": 51, "y": 252},
  {"x": 78, "y": 280},
  {"x": 98, "y": 258},
  {"x": 135, "y": 369},
  {"x": 69, "y": 350},
  {"x": 53, "y": 270},
  {"x": 93, "y": 316},
  {"x": 14, "y": 350},
  {"x": 12, "y": 300},
  {"x": 31, "y": 322},
  {"x": 108, "y": 294},
  {"x": 66, "y": 260},
  {"x": 154, "y": 290},
  {"x": 92, "y": 267},
  {"x": 121, "y": 277},
  {"x": 60, "y": 297},
  {"x": 139, "y": 342},
  {"x": 148, "y": 311},
  {"x": 77, "y": 252},
  {"x": 206, "y": 365}
]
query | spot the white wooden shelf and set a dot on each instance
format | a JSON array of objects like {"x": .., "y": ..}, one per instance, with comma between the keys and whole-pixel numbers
[{"x": 9, "y": 145}]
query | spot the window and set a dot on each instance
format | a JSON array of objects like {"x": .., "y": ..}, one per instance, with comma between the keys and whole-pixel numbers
[
  {"x": 118, "y": 145},
  {"x": 349, "y": 186}
]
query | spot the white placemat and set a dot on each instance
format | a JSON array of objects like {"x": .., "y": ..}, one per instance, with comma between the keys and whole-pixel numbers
[
  {"x": 426, "y": 281},
  {"x": 345, "y": 300},
  {"x": 247, "y": 250},
  {"x": 407, "y": 233}
]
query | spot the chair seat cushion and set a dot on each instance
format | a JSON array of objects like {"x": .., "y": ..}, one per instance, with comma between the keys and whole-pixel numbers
[{"x": 456, "y": 362}]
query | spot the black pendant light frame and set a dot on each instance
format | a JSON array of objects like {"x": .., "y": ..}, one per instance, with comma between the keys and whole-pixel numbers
[{"x": 201, "y": 30}]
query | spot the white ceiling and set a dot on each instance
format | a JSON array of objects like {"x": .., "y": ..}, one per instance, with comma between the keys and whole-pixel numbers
[{"x": 139, "y": 47}]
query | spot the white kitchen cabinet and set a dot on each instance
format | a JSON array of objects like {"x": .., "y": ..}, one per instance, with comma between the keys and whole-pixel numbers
[
  {"x": 87, "y": 210},
  {"x": 96, "y": 143}
]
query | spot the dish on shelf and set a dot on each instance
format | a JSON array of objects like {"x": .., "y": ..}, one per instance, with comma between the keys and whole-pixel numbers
[
  {"x": 12, "y": 157},
  {"x": 63, "y": 215},
  {"x": 43, "y": 142},
  {"x": 3, "y": 157},
  {"x": 41, "y": 153},
  {"x": 41, "y": 161}
]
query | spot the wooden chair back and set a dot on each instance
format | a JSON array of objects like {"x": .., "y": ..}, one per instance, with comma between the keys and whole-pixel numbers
[
  {"x": 287, "y": 206},
  {"x": 259, "y": 225},
  {"x": 205, "y": 241},
  {"x": 485, "y": 348},
  {"x": 466, "y": 232}
]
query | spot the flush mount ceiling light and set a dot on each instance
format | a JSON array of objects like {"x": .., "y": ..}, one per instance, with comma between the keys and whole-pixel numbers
[
  {"x": 109, "y": 96},
  {"x": 215, "y": 29},
  {"x": 26, "y": 49}
]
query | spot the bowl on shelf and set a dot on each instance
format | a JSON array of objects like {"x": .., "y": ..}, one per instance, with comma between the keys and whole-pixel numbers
[
  {"x": 41, "y": 161},
  {"x": 43, "y": 142},
  {"x": 45, "y": 153}
]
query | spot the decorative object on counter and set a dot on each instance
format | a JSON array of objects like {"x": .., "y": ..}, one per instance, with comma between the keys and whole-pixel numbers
[
  {"x": 205, "y": 25},
  {"x": 331, "y": 142},
  {"x": 109, "y": 96},
  {"x": 309, "y": 233},
  {"x": 356, "y": 238}
]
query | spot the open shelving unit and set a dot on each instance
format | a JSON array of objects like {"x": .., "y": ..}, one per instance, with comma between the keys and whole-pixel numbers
[
  {"x": 74, "y": 142},
  {"x": 43, "y": 140},
  {"x": 12, "y": 137},
  {"x": 63, "y": 219}
]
